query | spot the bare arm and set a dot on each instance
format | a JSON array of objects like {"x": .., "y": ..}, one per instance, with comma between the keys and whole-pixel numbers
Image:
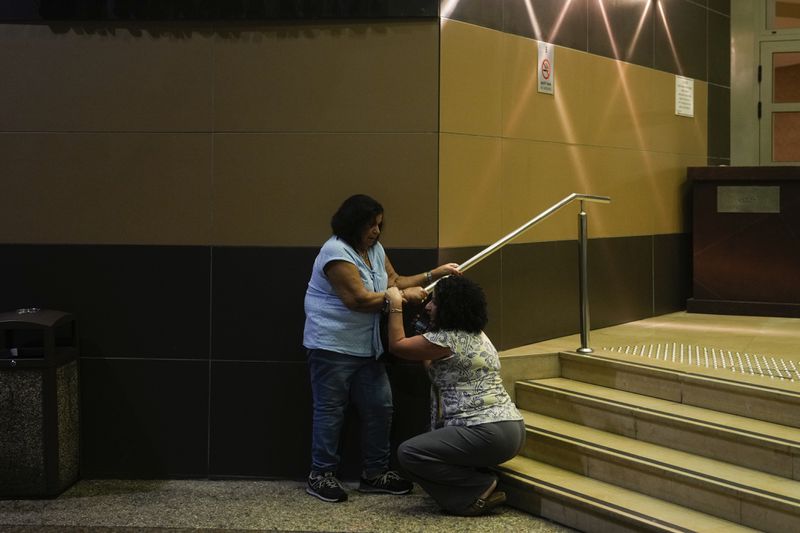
[
  {"x": 417, "y": 282},
  {"x": 416, "y": 348},
  {"x": 346, "y": 281}
]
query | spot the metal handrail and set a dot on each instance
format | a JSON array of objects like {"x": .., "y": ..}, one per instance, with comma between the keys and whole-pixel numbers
[{"x": 582, "y": 237}]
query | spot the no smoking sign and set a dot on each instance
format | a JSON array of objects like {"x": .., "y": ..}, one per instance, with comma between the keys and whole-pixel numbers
[{"x": 545, "y": 68}]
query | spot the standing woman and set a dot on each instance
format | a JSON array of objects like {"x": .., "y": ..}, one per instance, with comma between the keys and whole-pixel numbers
[
  {"x": 475, "y": 425},
  {"x": 343, "y": 304}
]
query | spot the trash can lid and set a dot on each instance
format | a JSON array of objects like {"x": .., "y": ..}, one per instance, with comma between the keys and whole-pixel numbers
[{"x": 33, "y": 318}]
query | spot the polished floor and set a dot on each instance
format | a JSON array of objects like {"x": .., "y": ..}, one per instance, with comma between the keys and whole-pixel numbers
[
  {"x": 180, "y": 505},
  {"x": 740, "y": 346}
]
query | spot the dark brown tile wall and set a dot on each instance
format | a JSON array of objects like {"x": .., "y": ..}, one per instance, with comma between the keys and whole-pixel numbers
[
  {"x": 257, "y": 303},
  {"x": 721, "y": 6},
  {"x": 719, "y": 122},
  {"x": 547, "y": 274},
  {"x": 144, "y": 418},
  {"x": 719, "y": 49},
  {"x": 620, "y": 280},
  {"x": 156, "y": 363},
  {"x": 630, "y": 278},
  {"x": 214, "y": 10},
  {"x": 719, "y": 86},
  {"x": 553, "y": 21},
  {"x": 260, "y": 418},
  {"x": 672, "y": 272},
  {"x": 681, "y": 44},
  {"x": 257, "y": 299},
  {"x": 129, "y": 301},
  {"x": 622, "y": 30}
]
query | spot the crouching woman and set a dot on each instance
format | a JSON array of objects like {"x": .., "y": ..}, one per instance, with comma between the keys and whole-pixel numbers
[{"x": 475, "y": 425}]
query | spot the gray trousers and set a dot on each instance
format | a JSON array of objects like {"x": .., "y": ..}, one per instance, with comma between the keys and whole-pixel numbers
[{"x": 452, "y": 463}]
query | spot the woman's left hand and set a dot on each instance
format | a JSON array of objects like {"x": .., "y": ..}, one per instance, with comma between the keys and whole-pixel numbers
[{"x": 395, "y": 297}]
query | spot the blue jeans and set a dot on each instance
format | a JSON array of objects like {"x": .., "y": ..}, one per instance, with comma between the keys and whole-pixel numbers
[{"x": 336, "y": 380}]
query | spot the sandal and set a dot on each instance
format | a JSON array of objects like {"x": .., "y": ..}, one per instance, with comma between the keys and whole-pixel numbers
[{"x": 484, "y": 505}]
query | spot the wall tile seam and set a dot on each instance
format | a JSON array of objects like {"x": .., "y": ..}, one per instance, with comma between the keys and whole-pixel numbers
[
  {"x": 704, "y": 5},
  {"x": 201, "y": 245},
  {"x": 715, "y": 84},
  {"x": 108, "y": 132},
  {"x": 584, "y": 145},
  {"x": 572, "y": 241},
  {"x": 218, "y": 24},
  {"x": 218, "y": 132},
  {"x": 324, "y": 132},
  {"x": 204, "y": 360}
]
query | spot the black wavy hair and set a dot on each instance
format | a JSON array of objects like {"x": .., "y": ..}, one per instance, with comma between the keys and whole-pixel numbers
[
  {"x": 460, "y": 305},
  {"x": 353, "y": 216}
]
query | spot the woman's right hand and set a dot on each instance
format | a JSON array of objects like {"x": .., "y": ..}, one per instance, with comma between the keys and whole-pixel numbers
[{"x": 448, "y": 269}]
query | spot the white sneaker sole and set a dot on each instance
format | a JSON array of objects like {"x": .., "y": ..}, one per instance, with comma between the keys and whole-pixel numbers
[{"x": 311, "y": 491}]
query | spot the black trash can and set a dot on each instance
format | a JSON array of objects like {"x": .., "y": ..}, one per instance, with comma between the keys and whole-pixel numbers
[{"x": 39, "y": 392}]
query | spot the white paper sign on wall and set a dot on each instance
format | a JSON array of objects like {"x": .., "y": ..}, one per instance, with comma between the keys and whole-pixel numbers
[
  {"x": 684, "y": 96},
  {"x": 546, "y": 68}
]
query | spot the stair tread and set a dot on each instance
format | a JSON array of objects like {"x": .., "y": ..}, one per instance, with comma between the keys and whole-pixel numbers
[
  {"x": 734, "y": 476},
  {"x": 608, "y": 495},
  {"x": 786, "y": 435},
  {"x": 721, "y": 376}
]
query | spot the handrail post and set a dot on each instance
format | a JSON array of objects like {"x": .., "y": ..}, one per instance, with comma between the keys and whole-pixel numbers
[{"x": 584, "y": 281}]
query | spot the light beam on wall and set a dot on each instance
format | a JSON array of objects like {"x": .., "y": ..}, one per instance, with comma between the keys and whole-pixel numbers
[
  {"x": 637, "y": 34},
  {"x": 559, "y": 20},
  {"x": 672, "y": 47},
  {"x": 447, "y": 7},
  {"x": 639, "y": 27},
  {"x": 537, "y": 31}
]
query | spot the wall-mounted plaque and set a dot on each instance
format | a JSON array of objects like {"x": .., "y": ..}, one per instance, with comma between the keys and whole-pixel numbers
[{"x": 748, "y": 199}]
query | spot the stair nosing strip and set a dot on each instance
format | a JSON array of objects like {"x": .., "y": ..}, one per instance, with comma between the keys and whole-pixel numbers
[
  {"x": 648, "y": 410},
  {"x": 732, "y": 485},
  {"x": 615, "y": 507},
  {"x": 705, "y": 377}
]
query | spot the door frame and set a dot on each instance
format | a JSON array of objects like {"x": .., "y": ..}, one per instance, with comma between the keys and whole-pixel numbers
[{"x": 767, "y": 106}]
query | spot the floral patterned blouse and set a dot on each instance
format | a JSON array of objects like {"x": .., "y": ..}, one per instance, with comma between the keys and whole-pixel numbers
[{"x": 467, "y": 388}]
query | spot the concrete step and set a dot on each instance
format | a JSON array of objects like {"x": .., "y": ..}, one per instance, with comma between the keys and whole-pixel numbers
[
  {"x": 590, "y": 505},
  {"x": 776, "y": 401},
  {"x": 746, "y": 442},
  {"x": 733, "y": 493}
]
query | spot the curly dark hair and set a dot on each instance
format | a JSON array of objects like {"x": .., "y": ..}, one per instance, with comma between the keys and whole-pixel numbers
[
  {"x": 353, "y": 216},
  {"x": 460, "y": 305}
]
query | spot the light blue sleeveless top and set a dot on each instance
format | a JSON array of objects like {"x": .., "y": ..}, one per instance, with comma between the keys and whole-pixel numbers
[{"x": 330, "y": 325}]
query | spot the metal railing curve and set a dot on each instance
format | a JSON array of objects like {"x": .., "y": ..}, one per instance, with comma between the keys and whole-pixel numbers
[{"x": 582, "y": 255}]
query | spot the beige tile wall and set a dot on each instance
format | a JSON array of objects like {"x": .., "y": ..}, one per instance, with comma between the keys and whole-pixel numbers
[
  {"x": 281, "y": 189},
  {"x": 471, "y": 65},
  {"x": 216, "y": 135},
  {"x": 101, "y": 188},
  {"x": 359, "y": 77},
  {"x": 610, "y": 129},
  {"x": 94, "y": 78}
]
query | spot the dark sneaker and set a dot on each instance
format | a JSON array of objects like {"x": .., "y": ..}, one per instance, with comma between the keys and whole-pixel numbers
[
  {"x": 390, "y": 482},
  {"x": 326, "y": 487}
]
